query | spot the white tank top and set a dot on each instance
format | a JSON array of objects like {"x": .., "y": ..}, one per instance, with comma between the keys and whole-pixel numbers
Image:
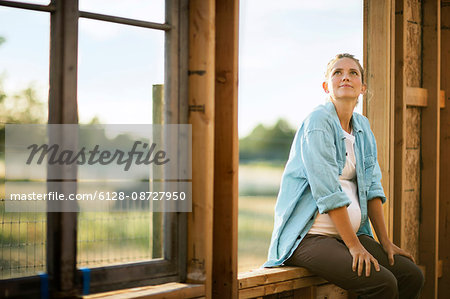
[{"x": 323, "y": 225}]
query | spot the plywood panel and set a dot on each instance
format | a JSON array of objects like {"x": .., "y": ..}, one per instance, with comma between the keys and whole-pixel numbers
[
  {"x": 412, "y": 169},
  {"x": 413, "y": 128},
  {"x": 411, "y": 222},
  {"x": 413, "y": 65}
]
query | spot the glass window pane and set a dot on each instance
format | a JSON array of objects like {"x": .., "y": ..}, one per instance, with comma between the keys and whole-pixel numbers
[
  {"x": 24, "y": 83},
  {"x": 40, "y": 2},
  {"x": 120, "y": 72},
  {"x": 146, "y": 10},
  {"x": 118, "y": 65}
]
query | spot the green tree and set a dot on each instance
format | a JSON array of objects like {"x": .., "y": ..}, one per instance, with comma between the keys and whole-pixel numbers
[{"x": 267, "y": 143}]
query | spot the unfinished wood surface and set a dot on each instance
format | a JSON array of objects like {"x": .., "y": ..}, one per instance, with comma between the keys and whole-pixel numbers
[
  {"x": 413, "y": 120},
  {"x": 429, "y": 225},
  {"x": 201, "y": 97},
  {"x": 379, "y": 101},
  {"x": 270, "y": 275},
  {"x": 172, "y": 290},
  {"x": 413, "y": 53},
  {"x": 411, "y": 214},
  {"x": 444, "y": 176},
  {"x": 226, "y": 152},
  {"x": 279, "y": 287},
  {"x": 413, "y": 44},
  {"x": 305, "y": 293},
  {"x": 63, "y": 109},
  {"x": 328, "y": 291},
  {"x": 400, "y": 121},
  {"x": 416, "y": 96},
  {"x": 411, "y": 200}
]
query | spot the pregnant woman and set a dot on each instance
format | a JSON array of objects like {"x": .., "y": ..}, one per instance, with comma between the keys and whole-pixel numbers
[{"x": 331, "y": 187}]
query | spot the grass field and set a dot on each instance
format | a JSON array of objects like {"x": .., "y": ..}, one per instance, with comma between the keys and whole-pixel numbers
[
  {"x": 255, "y": 226},
  {"x": 102, "y": 236}
]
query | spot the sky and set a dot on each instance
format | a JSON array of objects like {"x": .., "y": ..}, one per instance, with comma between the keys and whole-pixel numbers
[{"x": 284, "y": 47}]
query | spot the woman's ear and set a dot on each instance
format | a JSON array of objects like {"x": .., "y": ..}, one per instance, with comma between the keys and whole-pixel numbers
[
  {"x": 363, "y": 89},
  {"x": 325, "y": 87}
]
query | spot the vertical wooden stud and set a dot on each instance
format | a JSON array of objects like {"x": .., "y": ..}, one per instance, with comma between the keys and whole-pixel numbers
[
  {"x": 429, "y": 224},
  {"x": 226, "y": 151}
]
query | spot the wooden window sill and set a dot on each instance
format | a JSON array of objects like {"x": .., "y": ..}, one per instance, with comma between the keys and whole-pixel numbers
[{"x": 173, "y": 290}]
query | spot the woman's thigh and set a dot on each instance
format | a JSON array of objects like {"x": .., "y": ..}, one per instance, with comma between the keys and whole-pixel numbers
[
  {"x": 329, "y": 258},
  {"x": 409, "y": 277}
]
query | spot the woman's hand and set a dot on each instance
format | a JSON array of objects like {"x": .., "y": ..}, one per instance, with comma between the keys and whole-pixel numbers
[
  {"x": 360, "y": 257},
  {"x": 391, "y": 249}
]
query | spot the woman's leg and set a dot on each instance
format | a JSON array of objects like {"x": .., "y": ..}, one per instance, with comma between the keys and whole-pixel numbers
[
  {"x": 409, "y": 276},
  {"x": 329, "y": 258}
]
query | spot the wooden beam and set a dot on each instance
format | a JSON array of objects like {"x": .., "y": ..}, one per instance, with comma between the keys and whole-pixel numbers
[
  {"x": 442, "y": 99},
  {"x": 226, "y": 152},
  {"x": 201, "y": 97},
  {"x": 172, "y": 290},
  {"x": 271, "y": 275},
  {"x": 416, "y": 96},
  {"x": 379, "y": 104},
  {"x": 281, "y": 286},
  {"x": 444, "y": 167},
  {"x": 400, "y": 121},
  {"x": 430, "y": 145},
  {"x": 61, "y": 226}
]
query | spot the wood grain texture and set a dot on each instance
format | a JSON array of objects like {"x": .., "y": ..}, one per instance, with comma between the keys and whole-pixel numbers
[
  {"x": 171, "y": 290},
  {"x": 416, "y": 97},
  {"x": 400, "y": 121},
  {"x": 430, "y": 144},
  {"x": 270, "y": 275},
  {"x": 444, "y": 186},
  {"x": 379, "y": 101},
  {"x": 226, "y": 152},
  {"x": 201, "y": 92}
]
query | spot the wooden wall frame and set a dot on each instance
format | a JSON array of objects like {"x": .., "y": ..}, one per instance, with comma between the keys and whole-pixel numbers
[
  {"x": 64, "y": 277},
  {"x": 378, "y": 102},
  {"x": 430, "y": 145},
  {"x": 226, "y": 152}
]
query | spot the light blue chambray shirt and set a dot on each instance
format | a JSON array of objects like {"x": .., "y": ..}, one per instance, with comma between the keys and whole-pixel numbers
[{"x": 310, "y": 182}]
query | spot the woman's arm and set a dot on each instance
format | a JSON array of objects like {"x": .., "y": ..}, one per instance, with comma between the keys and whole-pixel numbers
[
  {"x": 360, "y": 255},
  {"x": 375, "y": 211}
]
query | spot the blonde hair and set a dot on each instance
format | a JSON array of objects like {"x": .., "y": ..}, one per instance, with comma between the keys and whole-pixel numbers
[{"x": 340, "y": 56}]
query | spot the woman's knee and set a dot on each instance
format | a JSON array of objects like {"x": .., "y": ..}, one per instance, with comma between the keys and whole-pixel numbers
[
  {"x": 389, "y": 287},
  {"x": 414, "y": 280},
  {"x": 382, "y": 284}
]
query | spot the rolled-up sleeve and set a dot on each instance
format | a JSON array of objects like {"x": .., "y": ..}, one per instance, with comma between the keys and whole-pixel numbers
[
  {"x": 322, "y": 171},
  {"x": 376, "y": 189}
]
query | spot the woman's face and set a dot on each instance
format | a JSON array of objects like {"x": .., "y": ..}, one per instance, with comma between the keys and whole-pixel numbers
[{"x": 345, "y": 80}]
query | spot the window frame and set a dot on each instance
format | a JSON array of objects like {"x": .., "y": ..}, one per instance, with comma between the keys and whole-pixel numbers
[{"x": 64, "y": 279}]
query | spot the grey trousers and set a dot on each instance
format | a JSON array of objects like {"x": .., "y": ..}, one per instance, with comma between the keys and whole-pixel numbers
[{"x": 330, "y": 258}]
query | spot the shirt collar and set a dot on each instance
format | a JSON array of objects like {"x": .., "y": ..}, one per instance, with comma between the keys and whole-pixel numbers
[{"x": 355, "y": 123}]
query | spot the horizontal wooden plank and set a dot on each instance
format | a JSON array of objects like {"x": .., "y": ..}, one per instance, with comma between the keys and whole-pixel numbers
[
  {"x": 416, "y": 96},
  {"x": 265, "y": 276},
  {"x": 279, "y": 287},
  {"x": 171, "y": 290}
]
